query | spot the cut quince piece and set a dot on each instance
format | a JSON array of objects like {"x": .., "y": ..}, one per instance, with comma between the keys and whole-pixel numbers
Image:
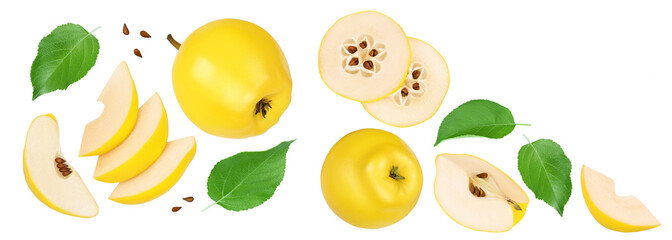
[
  {"x": 423, "y": 91},
  {"x": 364, "y": 56},
  {"x": 624, "y": 214},
  {"x": 50, "y": 177},
  {"x": 158, "y": 178},
  {"x": 477, "y": 194},
  {"x": 118, "y": 117},
  {"x": 142, "y": 147}
]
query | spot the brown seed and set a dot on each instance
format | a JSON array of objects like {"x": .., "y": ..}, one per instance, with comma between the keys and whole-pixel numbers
[
  {"x": 471, "y": 188},
  {"x": 59, "y": 160},
  {"x": 65, "y": 169},
  {"x": 482, "y": 175},
  {"x": 404, "y": 92},
  {"x": 416, "y": 74},
  {"x": 125, "y": 30},
  {"x": 65, "y": 174},
  {"x": 144, "y": 34},
  {"x": 482, "y": 193},
  {"x": 352, "y": 49},
  {"x": 354, "y": 62},
  {"x": 363, "y": 44},
  {"x": 175, "y": 209},
  {"x": 476, "y": 192},
  {"x": 416, "y": 86},
  {"x": 137, "y": 52},
  {"x": 188, "y": 199},
  {"x": 61, "y": 165},
  {"x": 368, "y": 64},
  {"x": 373, "y": 53}
]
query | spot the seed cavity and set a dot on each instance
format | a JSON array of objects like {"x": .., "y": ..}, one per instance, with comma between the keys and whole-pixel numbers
[
  {"x": 363, "y": 44},
  {"x": 62, "y": 166},
  {"x": 416, "y": 86},
  {"x": 404, "y": 92},
  {"x": 479, "y": 183},
  {"x": 416, "y": 74},
  {"x": 482, "y": 175},
  {"x": 368, "y": 64},
  {"x": 354, "y": 62}
]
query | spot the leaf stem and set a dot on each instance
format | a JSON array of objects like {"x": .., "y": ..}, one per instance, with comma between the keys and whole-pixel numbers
[
  {"x": 528, "y": 140},
  {"x": 523, "y": 124},
  {"x": 206, "y": 208},
  {"x": 94, "y": 30}
]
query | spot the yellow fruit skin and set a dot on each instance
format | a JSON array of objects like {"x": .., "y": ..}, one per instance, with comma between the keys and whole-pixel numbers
[
  {"x": 517, "y": 215},
  {"x": 356, "y": 183},
  {"x": 143, "y": 158},
  {"x": 34, "y": 188},
  {"x": 123, "y": 132},
  {"x": 604, "y": 219},
  {"x": 164, "y": 186},
  {"x": 222, "y": 71}
]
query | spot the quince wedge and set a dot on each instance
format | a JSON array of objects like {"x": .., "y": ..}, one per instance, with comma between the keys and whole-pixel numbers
[{"x": 142, "y": 147}]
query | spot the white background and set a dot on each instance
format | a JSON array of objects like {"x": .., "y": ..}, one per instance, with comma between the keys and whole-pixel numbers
[{"x": 594, "y": 76}]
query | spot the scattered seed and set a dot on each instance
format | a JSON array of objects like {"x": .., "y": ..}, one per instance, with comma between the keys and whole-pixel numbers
[
  {"x": 352, "y": 49},
  {"x": 175, "y": 209},
  {"x": 368, "y": 64},
  {"x": 404, "y": 92},
  {"x": 471, "y": 188},
  {"x": 188, "y": 199},
  {"x": 144, "y": 34},
  {"x": 416, "y": 74},
  {"x": 173, "y": 42},
  {"x": 373, "y": 53},
  {"x": 482, "y": 175},
  {"x": 416, "y": 86},
  {"x": 59, "y": 160},
  {"x": 65, "y": 174},
  {"x": 125, "y": 29},
  {"x": 363, "y": 44},
  {"x": 354, "y": 62},
  {"x": 137, "y": 53}
]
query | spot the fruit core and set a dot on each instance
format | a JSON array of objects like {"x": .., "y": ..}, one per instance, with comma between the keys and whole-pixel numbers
[
  {"x": 62, "y": 166},
  {"x": 413, "y": 87},
  {"x": 362, "y": 55},
  {"x": 481, "y": 186}
]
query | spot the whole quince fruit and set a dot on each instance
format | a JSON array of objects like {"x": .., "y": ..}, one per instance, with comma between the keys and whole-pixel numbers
[{"x": 232, "y": 79}]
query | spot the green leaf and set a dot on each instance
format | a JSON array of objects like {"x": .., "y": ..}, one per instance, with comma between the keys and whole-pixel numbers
[
  {"x": 483, "y": 118},
  {"x": 247, "y": 179},
  {"x": 546, "y": 171},
  {"x": 63, "y": 57}
]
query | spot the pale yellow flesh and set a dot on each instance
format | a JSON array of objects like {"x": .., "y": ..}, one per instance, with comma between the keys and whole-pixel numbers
[
  {"x": 158, "y": 178},
  {"x": 479, "y": 213},
  {"x": 424, "y": 102},
  {"x": 65, "y": 194},
  {"x": 626, "y": 214},
  {"x": 118, "y": 117},
  {"x": 383, "y": 30},
  {"x": 142, "y": 147}
]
